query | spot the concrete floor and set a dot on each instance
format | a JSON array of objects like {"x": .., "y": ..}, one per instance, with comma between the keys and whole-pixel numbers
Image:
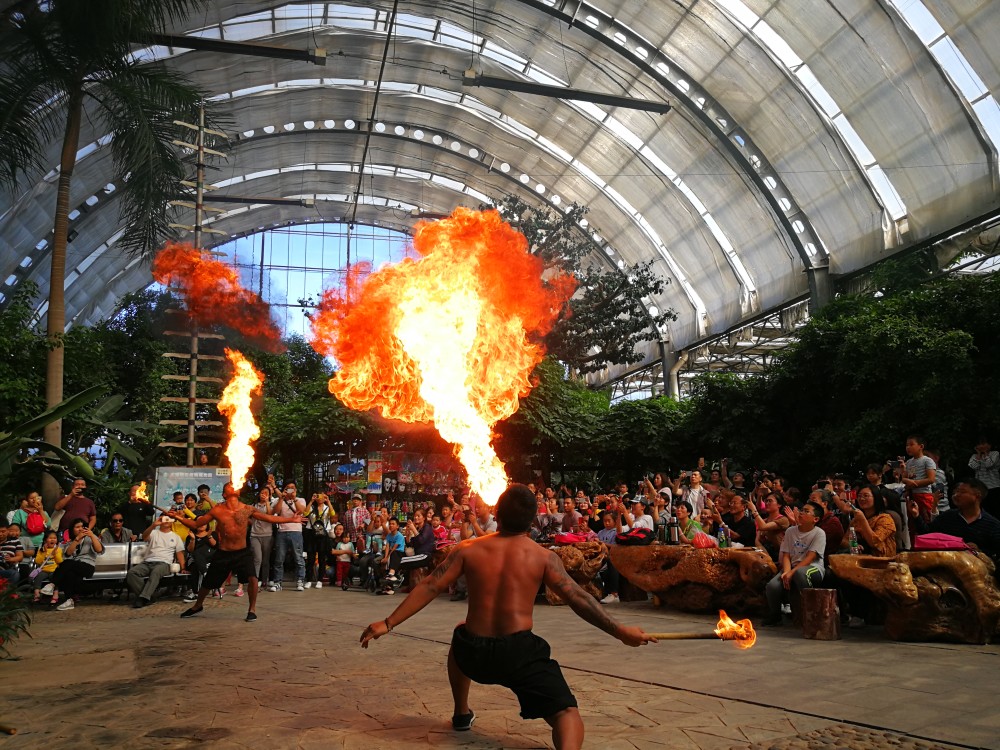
[{"x": 106, "y": 675}]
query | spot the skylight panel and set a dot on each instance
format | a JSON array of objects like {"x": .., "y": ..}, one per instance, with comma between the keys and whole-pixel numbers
[
  {"x": 958, "y": 69},
  {"x": 622, "y": 131},
  {"x": 887, "y": 192},
  {"x": 739, "y": 11},
  {"x": 819, "y": 93},
  {"x": 537, "y": 74},
  {"x": 853, "y": 140},
  {"x": 776, "y": 43},
  {"x": 241, "y": 31}
]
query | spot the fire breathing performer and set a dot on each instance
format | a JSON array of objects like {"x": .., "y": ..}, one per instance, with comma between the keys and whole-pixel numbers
[
  {"x": 495, "y": 645},
  {"x": 232, "y": 556}
]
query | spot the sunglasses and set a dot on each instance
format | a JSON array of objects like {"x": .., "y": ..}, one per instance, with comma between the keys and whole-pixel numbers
[{"x": 117, "y": 520}]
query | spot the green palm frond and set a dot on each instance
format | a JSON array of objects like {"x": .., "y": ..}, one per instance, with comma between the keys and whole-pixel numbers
[{"x": 139, "y": 104}]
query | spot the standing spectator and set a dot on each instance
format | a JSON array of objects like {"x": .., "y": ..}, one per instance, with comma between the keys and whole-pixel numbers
[
  {"x": 344, "y": 552},
  {"x": 800, "y": 560},
  {"x": 77, "y": 505},
  {"x": 356, "y": 521},
  {"x": 316, "y": 536},
  {"x": 610, "y": 579},
  {"x": 694, "y": 493},
  {"x": 32, "y": 518},
  {"x": 289, "y": 536},
  {"x": 261, "y": 538},
  {"x": 985, "y": 462},
  {"x": 205, "y": 501},
  {"x": 940, "y": 487},
  {"x": 116, "y": 533},
  {"x": 80, "y": 559},
  {"x": 164, "y": 547},
  {"x": 47, "y": 559},
  {"x": 138, "y": 513},
  {"x": 11, "y": 553},
  {"x": 919, "y": 478}
]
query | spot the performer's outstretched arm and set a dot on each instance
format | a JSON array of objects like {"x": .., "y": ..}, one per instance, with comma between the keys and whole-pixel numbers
[
  {"x": 587, "y": 607},
  {"x": 422, "y": 594}
]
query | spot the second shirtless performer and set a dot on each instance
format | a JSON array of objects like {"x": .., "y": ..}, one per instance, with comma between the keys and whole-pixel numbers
[
  {"x": 232, "y": 555},
  {"x": 495, "y": 645}
]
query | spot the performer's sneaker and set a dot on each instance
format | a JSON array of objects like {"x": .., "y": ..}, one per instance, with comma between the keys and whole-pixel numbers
[
  {"x": 251, "y": 617},
  {"x": 464, "y": 722},
  {"x": 191, "y": 612},
  {"x": 190, "y": 597}
]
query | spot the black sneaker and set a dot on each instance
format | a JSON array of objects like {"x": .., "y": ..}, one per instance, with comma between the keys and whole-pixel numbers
[
  {"x": 191, "y": 612},
  {"x": 463, "y": 723},
  {"x": 251, "y": 617}
]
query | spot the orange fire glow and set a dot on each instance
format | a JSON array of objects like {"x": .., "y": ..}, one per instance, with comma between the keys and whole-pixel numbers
[
  {"x": 213, "y": 293},
  {"x": 140, "y": 493},
  {"x": 235, "y": 404},
  {"x": 742, "y": 632},
  {"x": 450, "y": 337}
]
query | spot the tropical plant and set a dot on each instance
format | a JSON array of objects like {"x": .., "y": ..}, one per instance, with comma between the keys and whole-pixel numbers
[
  {"x": 14, "y": 616},
  {"x": 58, "y": 55},
  {"x": 20, "y": 446}
]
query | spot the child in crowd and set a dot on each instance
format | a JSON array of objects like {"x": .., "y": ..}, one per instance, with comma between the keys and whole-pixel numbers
[
  {"x": 441, "y": 536},
  {"x": 344, "y": 552},
  {"x": 47, "y": 559}
]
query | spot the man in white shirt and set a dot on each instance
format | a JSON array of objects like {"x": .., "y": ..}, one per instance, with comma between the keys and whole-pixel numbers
[
  {"x": 163, "y": 548},
  {"x": 289, "y": 535}
]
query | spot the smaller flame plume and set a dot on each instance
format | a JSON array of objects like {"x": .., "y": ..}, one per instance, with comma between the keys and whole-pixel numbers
[
  {"x": 140, "y": 493},
  {"x": 235, "y": 404}
]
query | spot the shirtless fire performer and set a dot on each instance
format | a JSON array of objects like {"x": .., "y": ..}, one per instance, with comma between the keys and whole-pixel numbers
[
  {"x": 495, "y": 644},
  {"x": 232, "y": 555}
]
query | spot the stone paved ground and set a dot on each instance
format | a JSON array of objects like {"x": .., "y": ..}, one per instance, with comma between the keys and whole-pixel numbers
[{"x": 106, "y": 675}]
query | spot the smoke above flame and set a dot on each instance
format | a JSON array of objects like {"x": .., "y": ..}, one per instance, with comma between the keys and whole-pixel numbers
[
  {"x": 450, "y": 337},
  {"x": 246, "y": 382},
  {"x": 214, "y": 295}
]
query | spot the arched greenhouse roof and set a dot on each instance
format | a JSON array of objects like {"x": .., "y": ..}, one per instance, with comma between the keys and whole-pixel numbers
[{"x": 804, "y": 141}]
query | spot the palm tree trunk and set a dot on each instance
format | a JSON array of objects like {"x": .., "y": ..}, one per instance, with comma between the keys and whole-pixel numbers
[{"x": 56, "y": 315}]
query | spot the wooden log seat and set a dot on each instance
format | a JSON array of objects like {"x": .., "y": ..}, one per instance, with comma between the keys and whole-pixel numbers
[
  {"x": 698, "y": 580},
  {"x": 820, "y": 614},
  {"x": 582, "y": 560},
  {"x": 947, "y": 596}
]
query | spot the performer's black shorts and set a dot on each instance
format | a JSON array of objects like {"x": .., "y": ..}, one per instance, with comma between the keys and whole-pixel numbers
[
  {"x": 224, "y": 562},
  {"x": 521, "y": 662}
]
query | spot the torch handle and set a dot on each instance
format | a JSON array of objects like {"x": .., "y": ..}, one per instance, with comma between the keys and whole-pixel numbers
[
  {"x": 7, "y": 730},
  {"x": 683, "y": 636}
]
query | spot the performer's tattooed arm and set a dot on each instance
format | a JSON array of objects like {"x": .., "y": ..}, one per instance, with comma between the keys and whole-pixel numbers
[
  {"x": 557, "y": 579},
  {"x": 586, "y": 606}
]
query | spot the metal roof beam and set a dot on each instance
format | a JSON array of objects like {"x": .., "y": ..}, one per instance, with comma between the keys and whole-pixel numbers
[{"x": 315, "y": 56}]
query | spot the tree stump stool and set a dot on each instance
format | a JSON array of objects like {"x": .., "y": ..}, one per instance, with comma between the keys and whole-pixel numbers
[{"x": 820, "y": 614}]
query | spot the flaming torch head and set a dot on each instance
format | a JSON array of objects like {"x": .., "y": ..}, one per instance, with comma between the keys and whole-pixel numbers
[
  {"x": 140, "y": 493},
  {"x": 741, "y": 633},
  {"x": 235, "y": 404}
]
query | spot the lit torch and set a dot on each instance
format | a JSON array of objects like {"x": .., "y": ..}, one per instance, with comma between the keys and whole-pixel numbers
[
  {"x": 450, "y": 338},
  {"x": 235, "y": 404},
  {"x": 741, "y": 633},
  {"x": 140, "y": 493}
]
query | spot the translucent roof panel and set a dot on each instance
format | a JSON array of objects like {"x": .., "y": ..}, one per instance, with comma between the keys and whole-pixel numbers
[{"x": 797, "y": 142}]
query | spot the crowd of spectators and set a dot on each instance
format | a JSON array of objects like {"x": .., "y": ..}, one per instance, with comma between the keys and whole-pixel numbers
[{"x": 879, "y": 512}]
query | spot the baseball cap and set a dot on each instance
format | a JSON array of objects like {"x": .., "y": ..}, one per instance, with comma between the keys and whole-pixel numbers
[{"x": 356, "y": 496}]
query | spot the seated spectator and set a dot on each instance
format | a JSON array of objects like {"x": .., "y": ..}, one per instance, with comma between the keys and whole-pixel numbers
[
  {"x": 571, "y": 517},
  {"x": 187, "y": 507},
  {"x": 985, "y": 462},
  {"x": 47, "y": 559},
  {"x": 79, "y": 561},
  {"x": 741, "y": 524},
  {"x": 688, "y": 526},
  {"x": 890, "y": 498},
  {"x": 800, "y": 560},
  {"x": 441, "y": 536},
  {"x": 708, "y": 523},
  {"x": 116, "y": 533},
  {"x": 549, "y": 523},
  {"x": 420, "y": 536},
  {"x": 638, "y": 518},
  {"x": 344, "y": 553},
  {"x": 772, "y": 525},
  {"x": 875, "y": 528},
  {"x": 395, "y": 546},
  {"x": 968, "y": 520},
  {"x": 11, "y": 553},
  {"x": 164, "y": 547},
  {"x": 32, "y": 519},
  {"x": 831, "y": 525},
  {"x": 200, "y": 547}
]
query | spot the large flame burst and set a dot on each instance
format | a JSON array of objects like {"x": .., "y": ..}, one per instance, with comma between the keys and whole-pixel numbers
[
  {"x": 235, "y": 404},
  {"x": 213, "y": 293},
  {"x": 450, "y": 337}
]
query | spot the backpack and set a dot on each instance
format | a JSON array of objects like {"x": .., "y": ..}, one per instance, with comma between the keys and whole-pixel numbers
[
  {"x": 636, "y": 537},
  {"x": 34, "y": 523}
]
